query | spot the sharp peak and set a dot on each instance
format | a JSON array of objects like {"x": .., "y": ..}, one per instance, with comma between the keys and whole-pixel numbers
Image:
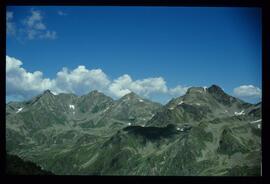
[
  {"x": 47, "y": 91},
  {"x": 131, "y": 94},
  {"x": 215, "y": 88}
]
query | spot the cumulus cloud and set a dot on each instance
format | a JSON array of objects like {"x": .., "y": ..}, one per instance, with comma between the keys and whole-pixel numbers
[
  {"x": 19, "y": 82},
  {"x": 124, "y": 85},
  {"x": 81, "y": 80},
  {"x": 35, "y": 28},
  {"x": 10, "y": 25},
  {"x": 178, "y": 91},
  {"x": 247, "y": 91}
]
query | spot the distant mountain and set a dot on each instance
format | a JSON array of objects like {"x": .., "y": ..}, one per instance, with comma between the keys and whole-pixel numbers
[
  {"x": 200, "y": 104},
  {"x": 131, "y": 110},
  {"x": 204, "y": 132}
]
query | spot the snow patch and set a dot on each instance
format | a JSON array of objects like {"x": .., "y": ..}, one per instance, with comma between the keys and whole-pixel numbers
[
  {"x": 106, "y": 109},
  {"x": 239, "y": 113},
  {"x": 259, "y": 120},
  {"x": 198, "y": 104},
  {"x": 259, "y": 126},
  {"x": 180, "y": 129},
  {"x": 72, "y": 107},
  {"x": 141, "y": 100},
  {"x": 171, "y": 108},
  {"x": 54, "y": 93},
  {"x": 19, "y": 110},
  {"x": 180, "y": 103},
  {"x": 204, "y": 88},
  {"x": 129, "y": 124}
]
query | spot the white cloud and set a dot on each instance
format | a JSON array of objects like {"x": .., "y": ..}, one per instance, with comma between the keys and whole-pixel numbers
[
  {"x": 81, "y": 80},
  {"x": 35, "y": 20},
  {"x": 10, "y": 26},
  {"x": 61, "y": 13},
  {"x": 35, "y": 28},
  {"x": 178, "y": 91},
  {"x": 124, "y": 84},
  {"x": 247, "y": 91},
  {"x": 22, "y": 83},
  {"x": 49, "y": 34},
  {"x": 119, "y": 86}
]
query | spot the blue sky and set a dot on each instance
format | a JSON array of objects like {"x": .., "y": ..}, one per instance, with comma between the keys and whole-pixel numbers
[{"x": 181, "y": 46}]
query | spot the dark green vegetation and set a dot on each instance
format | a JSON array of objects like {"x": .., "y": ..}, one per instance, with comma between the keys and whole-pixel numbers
[
  {"x": 17, "y": 166},
  {"x": 202, "y": 133}
]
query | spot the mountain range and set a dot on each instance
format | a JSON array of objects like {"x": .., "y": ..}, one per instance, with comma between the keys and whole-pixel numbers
[{"x": 205, "y": 132}]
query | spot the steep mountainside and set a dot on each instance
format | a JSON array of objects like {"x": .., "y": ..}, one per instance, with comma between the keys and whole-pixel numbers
[{"x": 204, "y": 132}]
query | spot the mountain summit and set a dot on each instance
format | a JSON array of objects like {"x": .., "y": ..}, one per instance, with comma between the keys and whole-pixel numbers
[{"x": 205, "y": 132}]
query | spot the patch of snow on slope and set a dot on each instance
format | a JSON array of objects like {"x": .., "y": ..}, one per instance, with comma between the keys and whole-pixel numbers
[
  {"x": 129, "y": 124},
  {"x": 180, "y": 103},
  {"x": 171, "y": 108},
  {"x": 259, "y": 120},
  {"x": 259, "y": 125},
  {"x": 204, "y": 88},
  {"x": 180, "y": 129},
  {"x": 54, "y": 93},
  {"x": 140, "y": 100},
  {"x": 106, "y": 109},
  {"x": 239, "y": 113},
  {"x": 198, "y": 104},
  {"x": 72, "y": 107},
  {"x": 19, "y": 110}
]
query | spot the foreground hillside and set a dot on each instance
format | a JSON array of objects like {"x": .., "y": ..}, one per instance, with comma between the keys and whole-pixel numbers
[
  {"x": 205, "y": 132},
  {"x": 17, "y": 166}
]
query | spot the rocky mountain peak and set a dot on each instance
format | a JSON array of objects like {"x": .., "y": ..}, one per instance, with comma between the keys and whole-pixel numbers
[
  {"x": 215, "y": 89},
  {"x": 130, "y": 95},
  {"x": 47, "y": 92},
  {"x": 195, "y": 90}
]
